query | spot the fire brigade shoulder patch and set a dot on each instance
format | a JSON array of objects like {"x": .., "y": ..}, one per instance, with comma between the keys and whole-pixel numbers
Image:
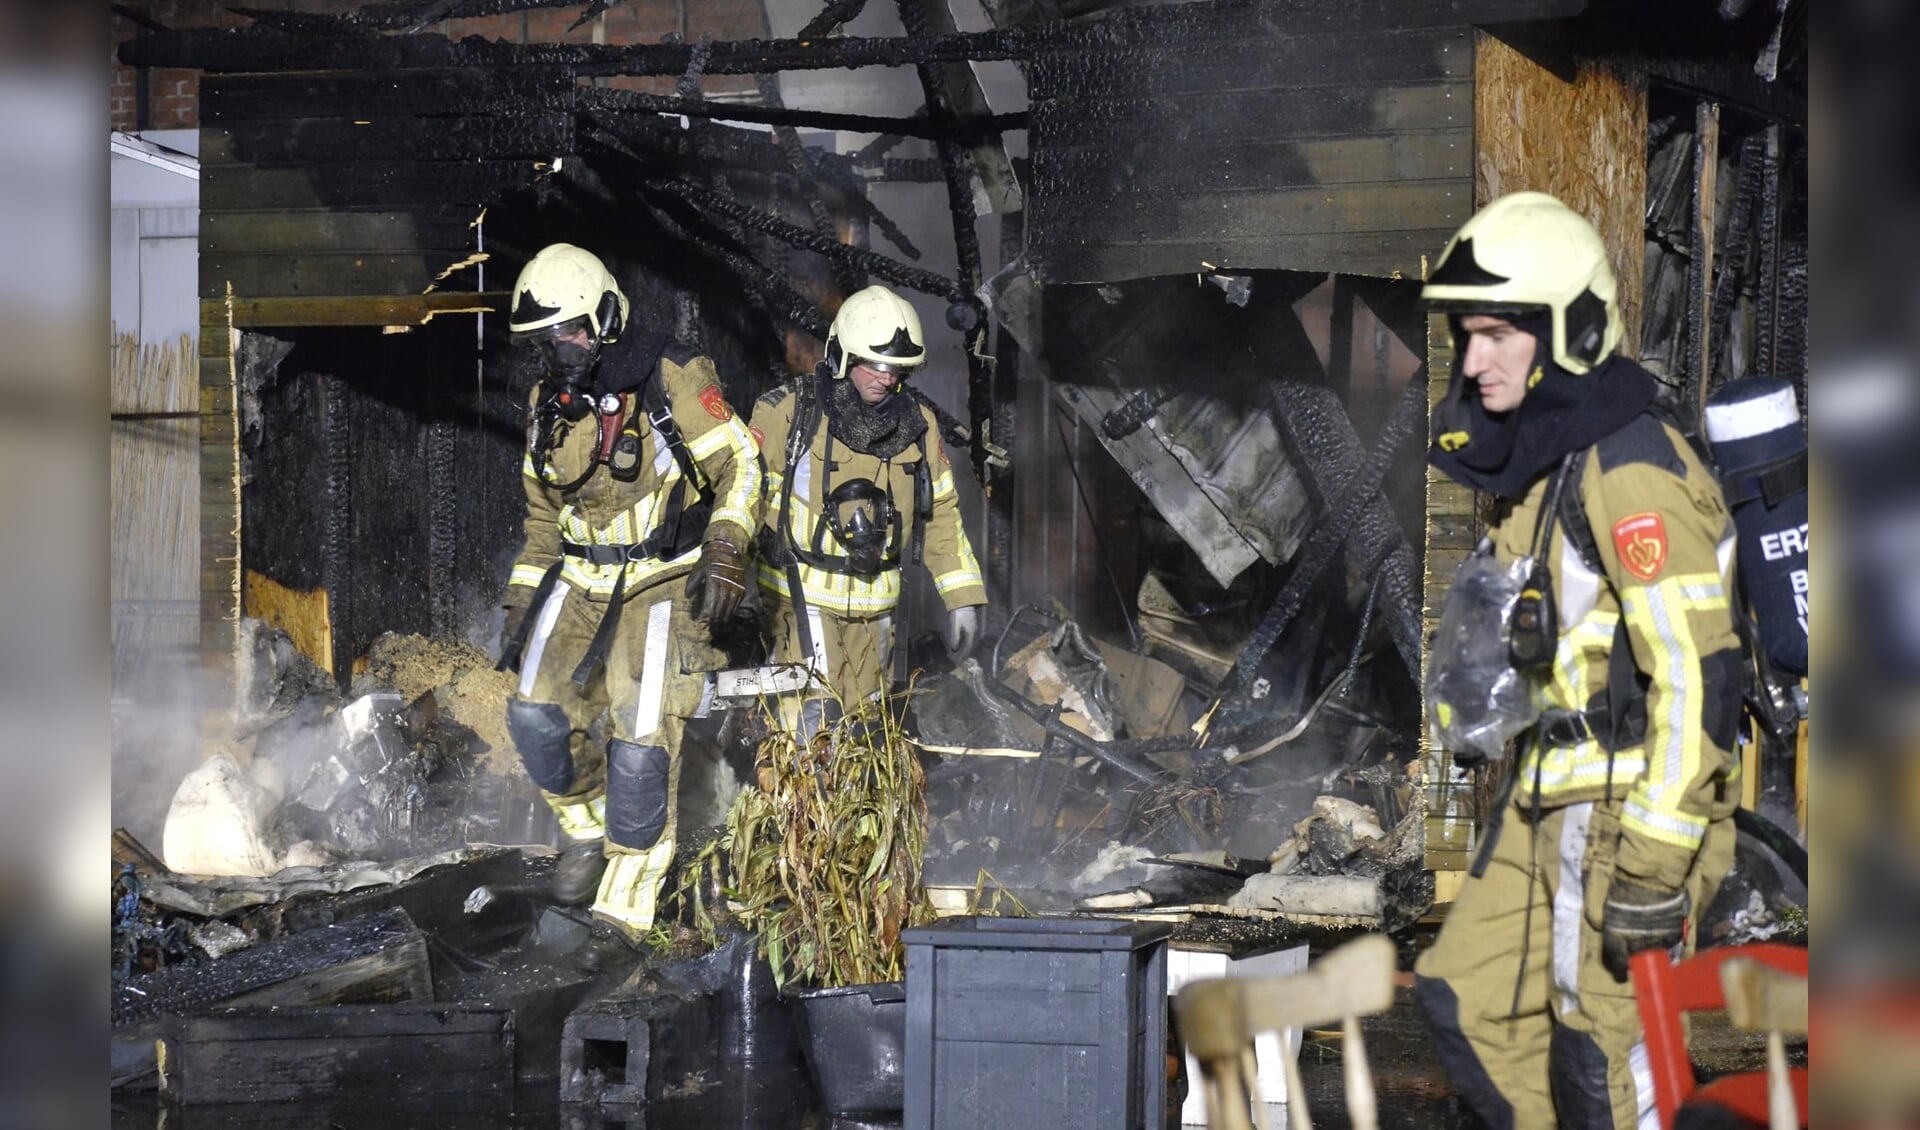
[
  {"x": 715, "y": 402},
  {"x": 759, "y": 437},
  {"x": 1642, "y": 543}
]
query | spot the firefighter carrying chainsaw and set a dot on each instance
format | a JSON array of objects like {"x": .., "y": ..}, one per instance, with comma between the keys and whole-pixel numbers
[{"x": 642, "y": 489}]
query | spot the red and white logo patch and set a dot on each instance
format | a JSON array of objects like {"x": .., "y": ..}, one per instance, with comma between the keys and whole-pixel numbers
[
  {"x": 1642, "y": 543},
  {"x": 759, "y": 437},
  {"x": 715, "y": 402}
]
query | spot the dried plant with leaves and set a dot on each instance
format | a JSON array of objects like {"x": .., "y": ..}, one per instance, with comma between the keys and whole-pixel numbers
[{"x": 823, "y": 858}]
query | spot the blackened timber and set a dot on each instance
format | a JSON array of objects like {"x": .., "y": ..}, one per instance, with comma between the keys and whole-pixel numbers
[
  {"x": 443, "y": 227},
  {"x": 319, "y": 141},
  {"x": 1101, "y": 172},
  {"x": 898, "y": 273},
  {"x": 1732, "y": 259},
  {"x": 409, "y": 15},
  {"x": 423, "y": 93},
  {"x": 948, "y": 94},
  {"x": 832, "y": 15},
  {"x": 1328, "y": 536},
  {"x": 251, "y": 1055},
  {"x": 380, "y": 958},
  {"x": 1325, "y": 111},
  {"x": 818, "y": 119},
  {"x": 370, "y": 184},
  {"x": 265, "y": 50}
]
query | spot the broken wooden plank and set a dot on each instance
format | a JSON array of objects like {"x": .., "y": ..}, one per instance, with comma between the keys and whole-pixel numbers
[
  {"x": 1706, "y": 171},
  {"x": 362, "y": 309},
  {"x": 127, "y": 850},
  {"x": 249, "y": 1055},
  {"x": 381, "y": 958}
]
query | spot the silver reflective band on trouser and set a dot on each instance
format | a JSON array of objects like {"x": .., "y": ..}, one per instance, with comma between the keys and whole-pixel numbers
[
  {"x": 653, "y": 669},
  {"x": 1569, "y": 906},
  {"x": 548, "y": 614},
  {"x": 816, "y": 627}
]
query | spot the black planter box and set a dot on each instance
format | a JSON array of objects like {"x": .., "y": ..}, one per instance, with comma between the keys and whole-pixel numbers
[{"x": 1054, "y": 1022}]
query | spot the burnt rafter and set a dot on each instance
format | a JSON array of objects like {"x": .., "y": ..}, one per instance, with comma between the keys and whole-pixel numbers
[
  {"x": 260, "y": 49},
  {"x": 634, "y": 101},
  {"x": 722, "y": 205},
  {"x": 1409, "y": 415},
  {"x": 418, "y": 13}
]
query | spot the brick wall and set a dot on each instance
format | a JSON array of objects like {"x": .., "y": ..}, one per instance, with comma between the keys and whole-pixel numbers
[{"x": 173, "y": 95}]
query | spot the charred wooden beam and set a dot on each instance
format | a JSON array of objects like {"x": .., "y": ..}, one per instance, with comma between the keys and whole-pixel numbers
[
  {"x": 1734, "y": 256},
  {"x": 952, "y": 91},
  {"x": 292, "y": 1054},
  {"x": 380, "y": 958},
  {"x": 634, "y": 101},
  {"x": 258, "y": 49},
  {"x": 834, "y": 14},
  {"x": 1408, "y": 418},
  {"x": 727, "y": 207},
  {"x": 419, "y": 13}
]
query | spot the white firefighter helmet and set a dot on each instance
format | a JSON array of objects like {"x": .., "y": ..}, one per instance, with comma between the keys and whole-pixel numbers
[
  {"x": 876, "y": 327},
  {"x": 1528, "y": 252},
  {"x": 563, "y": 282}
]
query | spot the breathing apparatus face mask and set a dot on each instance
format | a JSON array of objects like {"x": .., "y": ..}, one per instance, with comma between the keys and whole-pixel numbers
[
  {"x": 861, "y": 516},
  {"x": 566, "y": 364}
]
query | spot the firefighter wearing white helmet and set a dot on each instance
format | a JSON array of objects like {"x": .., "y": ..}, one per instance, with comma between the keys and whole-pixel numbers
[
  {"x": 642, "y": 489},
  {"x": 859, "y": 485},
  {"x": 1614, "y": 543}
]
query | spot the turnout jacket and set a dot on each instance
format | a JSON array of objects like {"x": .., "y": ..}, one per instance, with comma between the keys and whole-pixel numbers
[
  {"x": 607, "y": 511},
  {"x": 1665, "y": 541},
  {"x": 946, "y": 552}
]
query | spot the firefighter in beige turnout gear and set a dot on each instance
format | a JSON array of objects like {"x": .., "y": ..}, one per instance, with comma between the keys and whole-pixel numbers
[
  {"x": 642, "y": 489},
  {"x": 1620, "y": 828},
  {"x": 859, "y": 484}
]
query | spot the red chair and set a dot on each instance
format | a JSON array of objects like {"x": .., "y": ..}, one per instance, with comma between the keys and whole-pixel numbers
[{"x": 1664, "y": 989}]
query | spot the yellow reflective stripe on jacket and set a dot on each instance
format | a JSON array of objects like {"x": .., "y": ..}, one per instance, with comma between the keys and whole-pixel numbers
[{"x": 737, "y": 500}]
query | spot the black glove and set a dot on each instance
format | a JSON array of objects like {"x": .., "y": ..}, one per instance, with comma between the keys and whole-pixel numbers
[
  {"x": 1639, "y": 917},
  {"x": 718, "y": 582},
  {"x": 963, "y": 629}
]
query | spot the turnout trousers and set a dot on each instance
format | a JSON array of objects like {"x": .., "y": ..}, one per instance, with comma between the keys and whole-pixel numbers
[
  {"x": 626, "y": 786},
  {"x": 1569, "y": 1052},
  {"x": 851, "y": 662}
]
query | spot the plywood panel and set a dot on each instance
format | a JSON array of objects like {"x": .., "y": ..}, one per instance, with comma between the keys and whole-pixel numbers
[
  {"x": 1584, "y": 141},
  {"x": 303, "y": 615}
]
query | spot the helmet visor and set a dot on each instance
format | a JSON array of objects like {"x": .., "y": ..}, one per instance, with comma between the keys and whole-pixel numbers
[{"x": 559, "y": 331}]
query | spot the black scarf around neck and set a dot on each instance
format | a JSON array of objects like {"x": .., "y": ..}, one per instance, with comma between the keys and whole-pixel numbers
[
  {"x": 1505, "y": 452},
  {"x": 881, "y": 430}
]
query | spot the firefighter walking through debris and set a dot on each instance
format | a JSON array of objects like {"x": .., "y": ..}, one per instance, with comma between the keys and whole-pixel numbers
[
  {"x": 638, "y": 476},
  {"x": 859, "y": 485},
  {"x": 1619, "y": 830}
]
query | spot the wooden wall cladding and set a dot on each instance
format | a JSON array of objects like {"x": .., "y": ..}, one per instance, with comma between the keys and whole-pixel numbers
[
  {"x": 1298, "y": 136},
  {"x": 1585, "y": 141},
  {"x": 364, "y": 183}
]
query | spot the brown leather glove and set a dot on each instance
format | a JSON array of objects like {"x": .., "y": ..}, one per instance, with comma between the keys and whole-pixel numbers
[{"x": 718, "y": 581}]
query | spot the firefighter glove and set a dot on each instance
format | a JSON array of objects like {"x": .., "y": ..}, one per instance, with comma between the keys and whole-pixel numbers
[
  {"x": 718, "y": 582},
  {"x": 963, "y": 628},
  {"x": 1638, "y": 917}
]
